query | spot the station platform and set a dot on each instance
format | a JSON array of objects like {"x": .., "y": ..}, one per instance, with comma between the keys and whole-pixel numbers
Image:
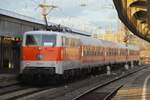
[
  {"x": 7, "y": 79},
  {"x": 137, "y": 89}
]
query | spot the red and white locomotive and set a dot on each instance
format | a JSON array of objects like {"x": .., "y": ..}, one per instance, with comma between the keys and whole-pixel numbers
[{"x": 48, "y": 54}]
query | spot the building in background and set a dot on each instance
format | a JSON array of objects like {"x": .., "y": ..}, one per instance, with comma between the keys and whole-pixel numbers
[
  {"x": 12, "y": 27},
  {"x": 121, "y": 35}
]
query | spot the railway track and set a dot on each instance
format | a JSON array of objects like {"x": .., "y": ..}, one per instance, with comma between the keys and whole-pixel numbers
[
  {"x": 11, "y": 88},
  {"x": 8, "y": 85},
  {"x": 15, "y": 92},
  {"x": 77, "y": 90},
  {"x": 89, "y": 92},
  {"x": 111, "y": 94}
]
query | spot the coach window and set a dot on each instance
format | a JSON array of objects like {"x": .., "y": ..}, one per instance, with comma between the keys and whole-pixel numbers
[
  {"x": 63, "y": 41},
  {"x": 66, "y": 43},
  {"x": 72, "y": 43},
  {"x": 93, "y": 51},
  {"x": 116, "y": 52},
  {"x": 107, "y": 52},
  {"x": 110, "y": 52},
  {"x": 84, "y": 52},
  {"x": 102, "y": 52},
  {"x": 96, "y": 52},
  {"x": 120, "y": 52},
  {"x": 113, "y": 52},
  {"x": 99, "y": 52},
  {"x": 89, "y": 51},
  {"x": 77, "y": 42}
]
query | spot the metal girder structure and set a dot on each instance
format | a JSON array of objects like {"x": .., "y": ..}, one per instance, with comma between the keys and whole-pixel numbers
[{"x": 135, "y": 14}]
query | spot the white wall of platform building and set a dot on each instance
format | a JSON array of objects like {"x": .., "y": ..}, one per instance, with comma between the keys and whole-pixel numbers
[{"x": 15, "y": 27}]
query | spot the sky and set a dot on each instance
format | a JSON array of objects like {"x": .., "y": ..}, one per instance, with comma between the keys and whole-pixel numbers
[{"x": 96, "y": 16}]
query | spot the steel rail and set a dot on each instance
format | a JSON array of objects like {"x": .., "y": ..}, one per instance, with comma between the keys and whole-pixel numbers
[
  {"x": 107, "y": 83},
  {"x": 111, "y": 94}
]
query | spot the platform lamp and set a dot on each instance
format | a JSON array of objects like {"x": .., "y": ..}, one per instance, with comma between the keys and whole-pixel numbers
[
  {"x": 125, "y": 40},
  {"x": 46, "y": 8}
]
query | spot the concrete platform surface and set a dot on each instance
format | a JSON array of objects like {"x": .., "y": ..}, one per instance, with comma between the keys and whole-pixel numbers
[
  {"x": 7, "y": 79},
  {"x": 137, "y": 89}
]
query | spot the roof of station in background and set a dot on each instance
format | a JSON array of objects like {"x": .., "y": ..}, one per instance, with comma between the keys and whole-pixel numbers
[{"x": 7, "y": 13}]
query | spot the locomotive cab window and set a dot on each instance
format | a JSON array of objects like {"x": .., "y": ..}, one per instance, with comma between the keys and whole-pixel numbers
[
  {"x": 40, "y": 40},
  {"x": 33, "y": 40},
  {"x": 49, "y": 40}
]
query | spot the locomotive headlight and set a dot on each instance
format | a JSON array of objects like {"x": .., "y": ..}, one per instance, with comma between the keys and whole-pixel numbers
[
  {"x": 40, "y": 56},
  {"x": 27, "y": 63}
]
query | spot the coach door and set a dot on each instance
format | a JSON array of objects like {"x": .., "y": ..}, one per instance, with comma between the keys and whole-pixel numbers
[{"x": 10, "y": 55}]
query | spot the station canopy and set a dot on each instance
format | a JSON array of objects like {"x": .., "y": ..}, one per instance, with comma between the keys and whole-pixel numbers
[{"x": 135, "y": 14}]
